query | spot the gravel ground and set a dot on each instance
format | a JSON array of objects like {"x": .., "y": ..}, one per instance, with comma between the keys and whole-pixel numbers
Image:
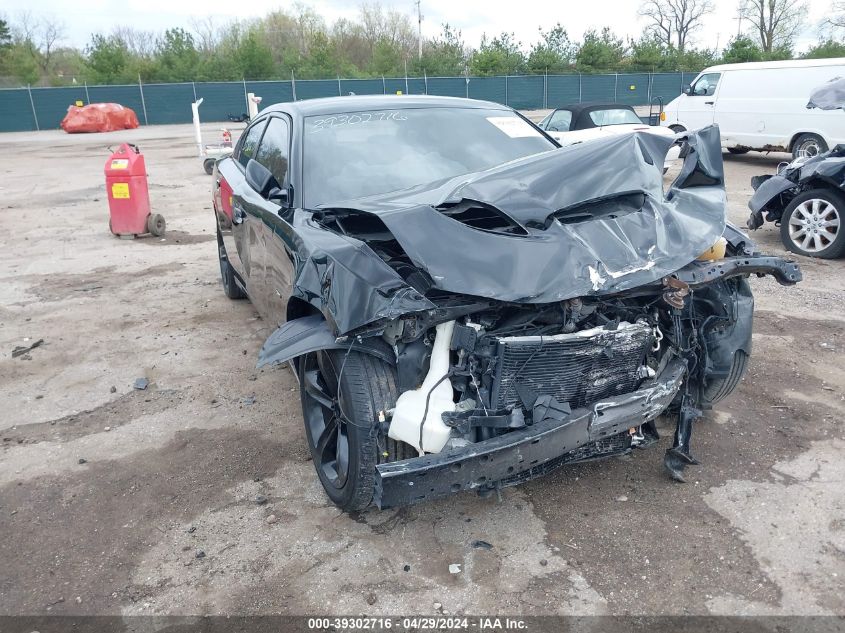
[{"x": 120, "y": 501}]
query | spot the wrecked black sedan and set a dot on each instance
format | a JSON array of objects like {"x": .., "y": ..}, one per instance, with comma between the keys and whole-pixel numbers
[{"x": 466, "y": 305}]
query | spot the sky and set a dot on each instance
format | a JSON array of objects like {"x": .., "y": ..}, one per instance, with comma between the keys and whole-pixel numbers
[{"x": 472, "y": 17}]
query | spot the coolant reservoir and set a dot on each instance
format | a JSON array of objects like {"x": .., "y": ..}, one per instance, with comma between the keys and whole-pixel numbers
[
  {"x": 411, "y": 405},
  {"x": 717, "y": 251}
]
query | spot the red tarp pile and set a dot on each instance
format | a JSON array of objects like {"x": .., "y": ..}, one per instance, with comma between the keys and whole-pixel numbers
[{"x": 99, "y": 117}]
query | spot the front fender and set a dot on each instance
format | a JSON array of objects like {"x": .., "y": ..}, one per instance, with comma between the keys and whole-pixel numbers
[{"x": 310, "y": 334}]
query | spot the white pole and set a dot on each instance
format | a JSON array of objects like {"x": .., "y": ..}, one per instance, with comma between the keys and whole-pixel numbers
[
  {"x": 143, "y": 103},
  {"x": 32, "y": 103},
  {"x": 195, "y": 110}
]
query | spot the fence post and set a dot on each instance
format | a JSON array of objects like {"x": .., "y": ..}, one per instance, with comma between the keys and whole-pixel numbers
[
  {"x": 143, "y": 103},
  {"x": 32, "y": 103},
  {"x": 616, "y": 86},
  {"x": 87, "y": 98},
  {"x": 506, "y": 90},
  {"x": 246, "y": 96},
  {"x": 339, "y": 93},
  {"x": 425, "y": 79},
  {"x": 545, "y": 89},
  {"x": 194, "y": 86},
  {"x": 580, "y": 90},
  {"x": 293, "y": 84},
  {"x": 650, "y": 80},
  {"x": 466, "y": 79},
  {"x": 406, "y": 76},
  {"x": 383, "y": 86}
]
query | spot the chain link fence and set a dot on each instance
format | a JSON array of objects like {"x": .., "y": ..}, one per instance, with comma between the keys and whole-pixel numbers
[{"x": 36, "y": 108}]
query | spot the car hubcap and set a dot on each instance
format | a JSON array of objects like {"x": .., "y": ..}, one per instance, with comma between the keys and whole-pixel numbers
[
  {"x": 809, "y": 148},
  {"x": 814, "y": 225},
  {"x": 327, "y": 425}
]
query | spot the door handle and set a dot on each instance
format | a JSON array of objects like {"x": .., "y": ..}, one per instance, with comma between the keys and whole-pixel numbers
[
  {"x": 709, "y": 102},
  {"x": 238, "y": 215}
]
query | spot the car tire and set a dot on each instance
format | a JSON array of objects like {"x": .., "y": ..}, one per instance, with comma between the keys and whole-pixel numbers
[
  {"x": 737, "y": 151},
  {"x": 208, "y": 165},
  {"x": 342, "y": 431},
  {"x": 720, "y": 388},
  {"x": 677, "y": 128},
  {"x": 227, "y": 275},
  {"x": 808, "y": 145},
  {"x": 821, "y": 211}
]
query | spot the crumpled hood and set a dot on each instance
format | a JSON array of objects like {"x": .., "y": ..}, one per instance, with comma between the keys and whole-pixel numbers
[{"x": 581, "y": 234}]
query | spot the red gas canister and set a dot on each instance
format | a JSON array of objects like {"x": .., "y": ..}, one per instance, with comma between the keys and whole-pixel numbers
[{"x": 129, "y": 197}]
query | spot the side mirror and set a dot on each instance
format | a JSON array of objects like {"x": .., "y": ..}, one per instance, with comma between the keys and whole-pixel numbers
[
  {"x": 687, "y": 90},
  {"x": 261, "y": 179}
]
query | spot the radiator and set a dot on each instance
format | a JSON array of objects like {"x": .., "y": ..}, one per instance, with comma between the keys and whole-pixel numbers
[{"x": 577, "y": 368}]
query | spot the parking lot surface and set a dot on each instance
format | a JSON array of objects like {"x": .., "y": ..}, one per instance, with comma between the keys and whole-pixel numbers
[{"x": 115, "y": 500}]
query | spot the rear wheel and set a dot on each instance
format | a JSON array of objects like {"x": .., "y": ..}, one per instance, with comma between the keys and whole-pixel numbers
[
  {"x": 738, "y": 150},
  {"x": 208, "y": 166},
  {"x": 227, "y": 275},
  {"x": 808, "y": 145},
  {"x": 342, "y": 396},
  {"x": 811, "y": 224}
]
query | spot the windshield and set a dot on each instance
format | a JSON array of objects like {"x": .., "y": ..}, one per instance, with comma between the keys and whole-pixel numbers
[
  {"x": 356, "y": 154},
  {"x": 617, "y": 116}
]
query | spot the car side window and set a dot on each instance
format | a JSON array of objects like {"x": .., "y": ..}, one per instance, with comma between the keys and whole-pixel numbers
[
  {"x": 273, "y": 151},
  {"x": 249, "y": 142},
  {"x": 560, "y": 121},
  {"x": 706, "y": 85}
]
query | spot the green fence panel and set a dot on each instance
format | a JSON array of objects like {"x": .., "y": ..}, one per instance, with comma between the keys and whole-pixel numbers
[
  {"x": 525, "y": 92},
  {"x": 315, "y": 88},
  {"x": 361, "y": 86},
  {"x": 16, "y": 111},
  {"x": 562, "y": 90},
  {"x": 666, "y": 85},
  {"x": 416, "y": 86},
  {"x": 220, "y": 99},
  {"x": 127, "y": 96},
  {"x": 598, "y": 88},
  {"x": 51, "y": 104},
  {"x": 632, "y": 89},
  {"x": 487, "y": 89},
  {"x": 395, "y": 84},
  {"x": 271, "y": 92},
  {"x": 169, "y": 103},
  {"x": 447, "y": 86}
]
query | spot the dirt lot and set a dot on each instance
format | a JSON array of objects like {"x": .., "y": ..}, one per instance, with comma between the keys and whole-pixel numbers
[{"x": 108, "y": 495}]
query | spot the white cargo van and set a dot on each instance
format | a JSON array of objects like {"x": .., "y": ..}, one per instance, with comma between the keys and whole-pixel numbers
[{"x": 762, "y": 106}]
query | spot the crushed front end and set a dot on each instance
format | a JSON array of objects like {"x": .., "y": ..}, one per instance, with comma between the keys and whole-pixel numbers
[{"x": 537, "y": 314}]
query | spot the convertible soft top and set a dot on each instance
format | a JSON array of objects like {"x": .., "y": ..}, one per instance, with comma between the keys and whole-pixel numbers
[{"x": 581, "y": 112}]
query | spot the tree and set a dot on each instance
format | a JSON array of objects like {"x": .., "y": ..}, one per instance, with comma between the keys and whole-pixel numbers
[
  {"x": 501, "y": 55},
  {"x": 836, "y": 19},
  {"x": 443, "y": 56},
  {"x": 177, "y": 56},
  {"x": 672, "y": 22},
  {"x": 825, "y": 50},
  {"x": 775, "y": 22},
  {"x": 600, "y": 51},
  {"x": 742, "y": 49},
  {"x": 253, "y": 57},
  {"x": 107, "y": 59},
  {"x": 554, "y": 52},
  {"x": 5, "y": 35}
]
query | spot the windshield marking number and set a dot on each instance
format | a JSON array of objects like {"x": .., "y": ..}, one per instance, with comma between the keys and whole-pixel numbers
[{"x": 357, "y": 118}]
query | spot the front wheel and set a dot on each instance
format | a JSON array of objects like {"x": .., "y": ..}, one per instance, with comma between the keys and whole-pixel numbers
[
  {"x": 156, "y": 224},
  {"x": 737, "y": 151},
  {"x": 342, "y": 397},
  {"x": 811, "y": 224}
]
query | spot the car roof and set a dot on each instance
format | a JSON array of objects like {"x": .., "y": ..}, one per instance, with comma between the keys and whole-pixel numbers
[
  {"x": 786, "y": 63},
  {"x": 354, "y": 103}
]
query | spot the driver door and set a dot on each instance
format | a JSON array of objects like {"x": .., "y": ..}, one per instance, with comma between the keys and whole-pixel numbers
[{"x": 699, "y": 107}]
